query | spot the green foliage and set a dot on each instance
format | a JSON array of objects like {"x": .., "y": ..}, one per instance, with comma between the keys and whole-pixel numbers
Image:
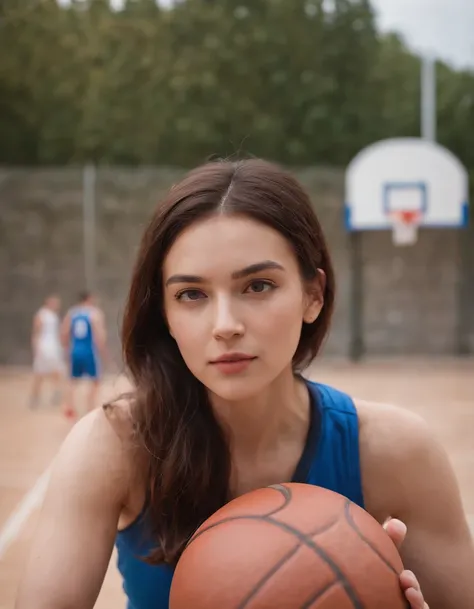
[{"x": 303, "y": 82}]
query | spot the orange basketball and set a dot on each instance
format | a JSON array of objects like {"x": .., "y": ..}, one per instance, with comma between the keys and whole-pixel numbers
[{"x": 289, "y": 546}]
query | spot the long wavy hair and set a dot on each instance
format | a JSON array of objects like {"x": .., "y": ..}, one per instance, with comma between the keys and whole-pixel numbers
[{"x": 186, "y": 450}]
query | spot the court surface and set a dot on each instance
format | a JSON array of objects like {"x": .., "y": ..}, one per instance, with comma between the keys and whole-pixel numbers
[{"x": 442, "y": 391}]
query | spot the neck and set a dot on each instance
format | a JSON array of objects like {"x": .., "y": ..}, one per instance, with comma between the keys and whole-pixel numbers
[{"x": 261, "y": 422}]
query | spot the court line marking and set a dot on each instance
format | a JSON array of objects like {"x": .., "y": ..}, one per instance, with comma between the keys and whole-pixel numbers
[{"x": 17, "y": 519}]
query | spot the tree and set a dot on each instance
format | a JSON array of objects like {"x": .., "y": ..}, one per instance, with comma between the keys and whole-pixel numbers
[{"x": 297, "y": 81}]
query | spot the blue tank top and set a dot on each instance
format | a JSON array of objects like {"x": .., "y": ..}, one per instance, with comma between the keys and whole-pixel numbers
[
  {"x": 82, "y": 340},
  {"x": 330, "y": 459}
]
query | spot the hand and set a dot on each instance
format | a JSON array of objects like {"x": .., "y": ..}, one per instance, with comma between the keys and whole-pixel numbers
[{"x": 397, "y": 531}]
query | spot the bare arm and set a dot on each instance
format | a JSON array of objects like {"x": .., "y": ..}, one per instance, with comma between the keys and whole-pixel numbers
[
  {"x": 78, "y": 523},
  {"x": 99, "y": 331},
  {"x": 65, "y": 331},
  {"x": 415, "y": 482}
]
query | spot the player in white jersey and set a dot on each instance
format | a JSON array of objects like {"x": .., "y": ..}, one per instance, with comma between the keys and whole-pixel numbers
[{"x": 48, "y": 358}]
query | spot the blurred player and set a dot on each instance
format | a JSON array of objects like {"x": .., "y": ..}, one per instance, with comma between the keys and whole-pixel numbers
[
  {"x": 48, "y": 359},
  {"x": 84, "y": 336}
]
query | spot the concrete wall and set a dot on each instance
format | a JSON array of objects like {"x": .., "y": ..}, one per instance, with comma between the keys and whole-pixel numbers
[{"x": 415, "y": 300}]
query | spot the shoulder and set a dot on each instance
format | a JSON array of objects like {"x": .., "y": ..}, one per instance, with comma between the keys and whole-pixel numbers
[
  {"x": 391, "y": 440},
  {"x": 38, "y": 315},
  {"x": 384, "y": 429},
  {"x": 390, "y": 429},
  {"x": 99, "y": 453},
  {"x": 118, "y": 413},
  {"x": 93, "y": 438},
  {"x": 96, "y": 314}
]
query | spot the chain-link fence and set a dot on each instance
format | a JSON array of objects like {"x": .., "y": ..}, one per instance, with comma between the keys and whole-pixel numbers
[{"x": 68, "y": 228}]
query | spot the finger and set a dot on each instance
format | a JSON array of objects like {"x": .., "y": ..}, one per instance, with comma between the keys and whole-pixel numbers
[
  {"x": 415, "y": 598},
  {"x": 396, "y": 530},
  {"x": 408, "y": 580}
]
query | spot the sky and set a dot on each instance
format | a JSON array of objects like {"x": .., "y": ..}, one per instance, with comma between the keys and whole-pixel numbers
[{"x": 444, "y": 28}]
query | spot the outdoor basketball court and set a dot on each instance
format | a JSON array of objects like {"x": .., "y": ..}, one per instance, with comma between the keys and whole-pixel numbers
[
  {"x": 440, "y": 390},
  {"x": 399, "y": 185}
]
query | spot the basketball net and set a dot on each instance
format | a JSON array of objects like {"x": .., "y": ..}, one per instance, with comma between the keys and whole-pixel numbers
[{"x": 405, "y": 226}]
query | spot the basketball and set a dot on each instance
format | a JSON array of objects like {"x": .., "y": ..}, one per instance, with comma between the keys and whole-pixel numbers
[{"x": 289, "y": 546}]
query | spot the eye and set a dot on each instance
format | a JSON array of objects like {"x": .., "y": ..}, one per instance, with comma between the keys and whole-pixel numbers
[
  {"x": 260, "y": 285},
  {"x": 189, "y": 295}
]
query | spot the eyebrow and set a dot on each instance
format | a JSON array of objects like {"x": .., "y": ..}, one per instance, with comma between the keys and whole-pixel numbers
[{"x": 258, "y": 267}]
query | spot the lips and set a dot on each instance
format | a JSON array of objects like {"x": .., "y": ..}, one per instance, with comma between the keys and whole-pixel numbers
[
  {"x": 232, "y": 357},
  {"x": 233, "y": 363}
]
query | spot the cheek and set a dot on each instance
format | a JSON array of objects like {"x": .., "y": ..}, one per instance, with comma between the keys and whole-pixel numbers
[
  {"x": 190, "y": 332},
  {"x": 279, "y": 324},
  {"x": 183, "y": 328}
]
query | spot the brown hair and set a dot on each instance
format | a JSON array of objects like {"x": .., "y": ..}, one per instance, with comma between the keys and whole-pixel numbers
[{"x": 186, "y": 449}]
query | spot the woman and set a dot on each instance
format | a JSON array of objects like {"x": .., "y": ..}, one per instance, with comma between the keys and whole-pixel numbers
[{"x": 231, "y": 297}]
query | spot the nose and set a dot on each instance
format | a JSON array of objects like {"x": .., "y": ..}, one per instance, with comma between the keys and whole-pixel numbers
[{"x": 227, "y": 324}]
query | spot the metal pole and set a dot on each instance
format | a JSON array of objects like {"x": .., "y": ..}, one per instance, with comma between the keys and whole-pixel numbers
[
  {"x": 356, "y": 345},
  {"x": 88, "y": 214},
  {"x": 428, "y": 98},
  {"x": 465, "y": 292}
]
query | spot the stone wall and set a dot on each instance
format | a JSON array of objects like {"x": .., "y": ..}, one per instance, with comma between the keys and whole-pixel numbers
[{"x": 414, "y": 300}]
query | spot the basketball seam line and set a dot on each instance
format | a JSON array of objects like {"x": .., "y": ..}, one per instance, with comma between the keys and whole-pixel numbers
[
  {"x": 356, "y": 529},
  {"x": 287, "y": 495},
  {"x": 304, "y": 540},
  {"x": 268, "y": 576},
  {"x": 280, "y": 488},
  {"x": 319, "y": 594},
  {"x": 280, "y": 563},
  {"x": 312, "y": 545}
]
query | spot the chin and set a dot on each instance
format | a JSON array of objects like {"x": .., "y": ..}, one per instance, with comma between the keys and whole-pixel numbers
[
  {"x": 232, "y": 391},
  {"x": 239, "y": 387}
]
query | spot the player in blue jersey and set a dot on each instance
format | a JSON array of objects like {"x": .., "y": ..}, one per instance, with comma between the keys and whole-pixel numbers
[
  {"x": 84, "y": 336},
  {"x": 231, "y": 298}
]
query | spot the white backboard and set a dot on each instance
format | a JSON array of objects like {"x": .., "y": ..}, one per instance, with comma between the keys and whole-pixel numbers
[{"x": 405, "y": 174}]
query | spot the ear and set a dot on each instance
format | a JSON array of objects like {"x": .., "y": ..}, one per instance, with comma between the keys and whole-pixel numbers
[{"x": 314, "y": 300}]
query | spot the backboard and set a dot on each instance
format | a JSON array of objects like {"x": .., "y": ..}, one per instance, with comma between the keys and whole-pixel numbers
[{"x": 403, "y": 183}]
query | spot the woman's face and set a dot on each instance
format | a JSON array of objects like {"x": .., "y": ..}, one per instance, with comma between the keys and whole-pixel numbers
[{"x": 235, "y": 303}]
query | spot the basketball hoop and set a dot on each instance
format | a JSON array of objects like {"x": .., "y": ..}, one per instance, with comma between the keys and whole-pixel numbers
[{"x": 405, "y": 225}]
